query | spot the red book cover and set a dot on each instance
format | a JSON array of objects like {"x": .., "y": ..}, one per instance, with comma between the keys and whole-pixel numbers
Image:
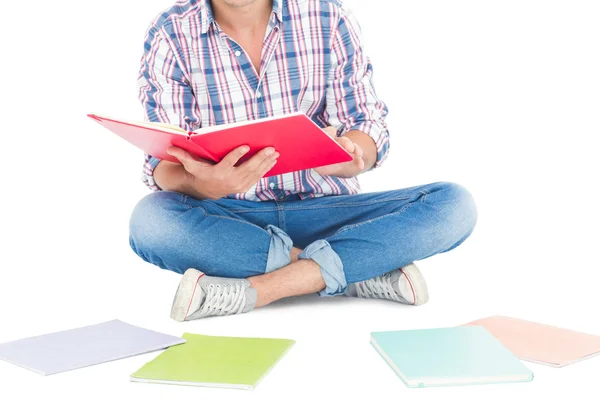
[{"x": 300, "y": 142}]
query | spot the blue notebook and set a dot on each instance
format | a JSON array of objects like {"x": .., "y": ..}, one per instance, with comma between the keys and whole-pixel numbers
[{"x": 462, "y": 355}]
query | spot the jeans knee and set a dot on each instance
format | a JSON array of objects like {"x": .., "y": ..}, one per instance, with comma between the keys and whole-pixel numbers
[
  {"x": 460, "y": 208},
  {"x": 150, "y": 220}
]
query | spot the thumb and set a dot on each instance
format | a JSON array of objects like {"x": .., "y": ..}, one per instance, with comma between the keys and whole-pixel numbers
[
  {"x": 179, "y": 154},
  {"x": 186, "y": 158},
  {"x": 331, "y": 131}
]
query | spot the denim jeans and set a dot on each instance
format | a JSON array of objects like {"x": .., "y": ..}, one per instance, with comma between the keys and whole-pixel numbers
[{"x": 352, "y": 237}]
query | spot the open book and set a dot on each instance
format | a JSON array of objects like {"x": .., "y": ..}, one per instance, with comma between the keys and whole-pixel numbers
[{"x": 300, "y": 142}]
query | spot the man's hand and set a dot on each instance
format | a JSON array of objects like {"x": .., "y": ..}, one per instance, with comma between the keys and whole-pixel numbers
[
  {"x": 347, "y": 169},
  {"x": 214, "y": 181}
]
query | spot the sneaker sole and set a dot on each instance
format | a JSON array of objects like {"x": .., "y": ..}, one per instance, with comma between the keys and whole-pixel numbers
[
  {"x": 417, "y": 282},
  {"x": 185, "y": 293}
]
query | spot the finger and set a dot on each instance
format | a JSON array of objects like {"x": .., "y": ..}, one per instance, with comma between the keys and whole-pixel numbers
[
  {"x": 186, "y": 157},
  {"x": 361, "y": 164},
  {"x": 346, "y": 144},
  {"x": 358, "y": 162},
  {"x": 267, "y": 154},
  {"x": 263, "y": 169},
  {"x": 183, "y": 156},
  {"x": 259, "y": 172},
  {"x": 233, "y": 157},
  {"x": 358, "y": 152},
  {"x": 331, "y": 131}
]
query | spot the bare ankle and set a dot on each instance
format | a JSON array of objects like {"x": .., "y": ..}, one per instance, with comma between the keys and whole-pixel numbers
[
  {"x": 258, "y": 283},
  {"x": 298, "y": 278},
  {"x": 294, "y": 254}
]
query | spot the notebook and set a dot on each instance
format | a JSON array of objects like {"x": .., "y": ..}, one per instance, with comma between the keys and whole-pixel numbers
[
  {"x": 83, "y": 347},
  {"x": 449, "y": 356},
  {"x": 539, "y": 343},
  {"x": 299, "y": 141},
  {"x": 215, "y": 361}
]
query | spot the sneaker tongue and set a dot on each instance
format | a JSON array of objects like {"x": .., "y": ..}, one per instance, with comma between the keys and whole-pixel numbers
[
  {"x": 351, "y": 291},
  {"x": 226, "y": 285},
  {"x": 402, "y": 287},
  {"x": 200, "y": 295},
  {"x": 251, "y": 297}
]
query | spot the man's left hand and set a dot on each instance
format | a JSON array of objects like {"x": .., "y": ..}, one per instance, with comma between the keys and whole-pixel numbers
[{"x": 346, "y": 169}]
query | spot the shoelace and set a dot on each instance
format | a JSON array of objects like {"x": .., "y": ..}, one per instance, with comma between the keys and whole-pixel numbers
[
  {"x": 379, "y": 287},
  {"x": 223, "y": 299}
]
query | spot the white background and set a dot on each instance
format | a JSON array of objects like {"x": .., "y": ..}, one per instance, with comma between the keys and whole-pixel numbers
[{"x": 500, "y": 96}]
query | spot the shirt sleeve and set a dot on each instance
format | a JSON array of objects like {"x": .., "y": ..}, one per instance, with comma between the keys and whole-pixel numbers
[
  {"x": 165, "y": 92},
  {"x": 351, "y": 102}
]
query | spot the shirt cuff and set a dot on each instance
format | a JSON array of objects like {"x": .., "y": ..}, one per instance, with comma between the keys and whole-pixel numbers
[
  {"x": 148, "y": 172},
  {"x": 379, "y": 135}
]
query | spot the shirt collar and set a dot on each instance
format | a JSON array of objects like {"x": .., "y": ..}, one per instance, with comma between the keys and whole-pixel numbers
[
  {"x": 207, "y": 19},
  {"x": 278, "y": 9},
  {"x": 206, "y": 15}
]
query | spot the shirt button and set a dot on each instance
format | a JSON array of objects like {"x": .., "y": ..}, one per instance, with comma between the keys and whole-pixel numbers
[
  {"x": 238, "y": 53},
  {"x": 271, "y": 185},
  {"x": 258, "y": 95}
]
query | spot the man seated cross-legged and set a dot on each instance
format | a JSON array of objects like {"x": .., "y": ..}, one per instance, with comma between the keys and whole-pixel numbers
[{"x": 243, "y": 241}]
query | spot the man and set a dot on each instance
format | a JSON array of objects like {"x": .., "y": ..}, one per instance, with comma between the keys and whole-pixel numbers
[{"x": 243, "y": 241}]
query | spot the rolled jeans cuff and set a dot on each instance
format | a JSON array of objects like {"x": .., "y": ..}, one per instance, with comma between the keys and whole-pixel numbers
[
  {"x": 331, "y": 265},
  {"x": 279, "y": 249}
]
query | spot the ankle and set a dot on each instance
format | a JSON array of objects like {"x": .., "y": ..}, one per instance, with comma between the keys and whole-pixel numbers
[
  {"x": 258, "y": 283},
  {"x": 294, "y": 254},
  {"x": 298, "y": 278}
]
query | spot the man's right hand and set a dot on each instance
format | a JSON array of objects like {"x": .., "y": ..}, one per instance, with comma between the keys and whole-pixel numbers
[{"x": 214, "y": 181}]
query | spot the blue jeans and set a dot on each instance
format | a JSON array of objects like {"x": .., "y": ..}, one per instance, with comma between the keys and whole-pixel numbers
[{"x": 352, "y": 238}]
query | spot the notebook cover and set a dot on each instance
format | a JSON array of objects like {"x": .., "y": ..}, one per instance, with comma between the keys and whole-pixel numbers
[
  {"x": 544, "y": 344},
  {"x": 300, "y": 142},
  {"x": 83, "y": 347},
  {"x": 451, "y": 356},
  {"x": 216, "y": 361}
]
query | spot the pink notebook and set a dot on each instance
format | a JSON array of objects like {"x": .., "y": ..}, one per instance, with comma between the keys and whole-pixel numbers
[
  {"x": 543, "y": 344},
  {"x": 301, "y": 143}
]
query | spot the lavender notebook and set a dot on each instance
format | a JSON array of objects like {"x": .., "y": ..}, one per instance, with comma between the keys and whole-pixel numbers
[{"x": 82, "y": 347}]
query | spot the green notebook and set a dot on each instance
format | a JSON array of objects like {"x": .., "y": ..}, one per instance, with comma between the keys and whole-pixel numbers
[
  {"x": 215, "y": 361},
  {"x": 459, "y": 355}
]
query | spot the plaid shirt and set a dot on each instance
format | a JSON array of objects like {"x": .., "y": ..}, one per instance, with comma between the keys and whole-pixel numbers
[{"x": 193, "y": 75}]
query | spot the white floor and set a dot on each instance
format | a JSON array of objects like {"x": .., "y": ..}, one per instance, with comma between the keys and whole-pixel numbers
[
  {"x": 79, "y": 282},
  {"x": 501, "y": 97}
]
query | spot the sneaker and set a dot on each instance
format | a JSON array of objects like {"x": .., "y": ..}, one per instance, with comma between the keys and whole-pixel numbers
[
  {"x": 405, "y": 285},
  {"x": 199, "y": 296}
]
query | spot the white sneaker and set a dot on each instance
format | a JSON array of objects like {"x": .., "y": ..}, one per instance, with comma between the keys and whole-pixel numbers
[
  {"x": 199, "y": 296},
  {"x": 405, "y": 285}
]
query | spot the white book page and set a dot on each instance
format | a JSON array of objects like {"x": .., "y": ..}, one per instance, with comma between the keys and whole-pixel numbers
[
  {"x": 215, "y": 128},
  {"x": 153, "y": 125}
]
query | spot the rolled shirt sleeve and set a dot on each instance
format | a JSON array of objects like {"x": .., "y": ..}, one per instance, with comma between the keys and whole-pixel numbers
[
  {"x": 351, "y": 102},
  {"x": 164, "y": 90}
]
